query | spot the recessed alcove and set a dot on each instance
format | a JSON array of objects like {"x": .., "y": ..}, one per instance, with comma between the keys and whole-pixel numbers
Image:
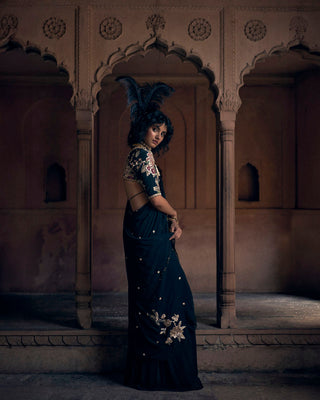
[
  {"x": 56, "y": 185},
  {"x": 38, "y": 160},
  {"x": 248, "y": 184},
  {"x": 277, "y": 165}
]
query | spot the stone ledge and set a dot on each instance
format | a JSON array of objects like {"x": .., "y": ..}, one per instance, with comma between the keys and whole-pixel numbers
[
  {"x": 96, "y": 351},
  {"x": 217, "y": 339}
]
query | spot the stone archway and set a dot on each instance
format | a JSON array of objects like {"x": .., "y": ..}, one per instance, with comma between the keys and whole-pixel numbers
[
  {"x": 36, "y": 93},
  {"x": 225, "y": 226},
  {"x": 273, "y": 91},
  {"x": 9, "y": 44},
  {"x": 153, "y": 43}
]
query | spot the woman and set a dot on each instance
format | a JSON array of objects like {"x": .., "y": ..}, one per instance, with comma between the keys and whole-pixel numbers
[{"x": 161, "y": 334}]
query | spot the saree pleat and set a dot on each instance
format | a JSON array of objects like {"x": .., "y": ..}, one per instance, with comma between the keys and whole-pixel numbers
[{"x": 161, "y": 333}]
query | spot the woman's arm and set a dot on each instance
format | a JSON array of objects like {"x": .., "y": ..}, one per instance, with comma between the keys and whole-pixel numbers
[
  {"x": 161, "y": 204},
  {"x": 143, "y": 163}
]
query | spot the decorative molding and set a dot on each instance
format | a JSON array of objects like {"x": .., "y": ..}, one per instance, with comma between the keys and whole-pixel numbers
[
  {"x": 8, "y": 26},
  {"x": 155, "y": 22},
  {"x": 199, "y": 29},
  {"x": 54, "y": 28},
  {"x": 299, "y": 25},
  {"x": 229, "y": 101},
  {"x": 222, "y": 341},
  {"x": 219, "y": 341},
  {"x": 255, "y": 30},
  {"x": 110, "y": 28}
]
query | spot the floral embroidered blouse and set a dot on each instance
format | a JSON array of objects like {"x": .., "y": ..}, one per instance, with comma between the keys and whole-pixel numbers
[{"x": 141, "y": 167}]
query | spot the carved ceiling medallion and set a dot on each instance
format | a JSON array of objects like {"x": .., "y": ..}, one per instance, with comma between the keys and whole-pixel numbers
[
  {"x": 54, "y": 28},
  {"x": 199, "y": 29},
  {"x": 255, "y": 30},
  {"x": 110, "y": 28},
  {"x": 8, "y": 24},
  {"x": 299, "y": 25},
  {"x": 155, "y": 22}
]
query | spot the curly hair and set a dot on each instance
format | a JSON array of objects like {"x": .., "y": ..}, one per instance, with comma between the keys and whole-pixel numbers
[{"x": 139, "y": 128}]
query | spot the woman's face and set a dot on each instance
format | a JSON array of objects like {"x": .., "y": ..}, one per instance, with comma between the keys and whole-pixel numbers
[{"x": 155, "y": 135}]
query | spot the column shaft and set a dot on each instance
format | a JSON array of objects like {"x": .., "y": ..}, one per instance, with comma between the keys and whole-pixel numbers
[
  {"x": 226, "y": 311},
  {"x": 84, "y": 230}
]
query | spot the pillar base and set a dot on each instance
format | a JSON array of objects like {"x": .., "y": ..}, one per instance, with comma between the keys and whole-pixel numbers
[
  {"x": 227, "y": 319},
  {"x": 84, "y": 317}
]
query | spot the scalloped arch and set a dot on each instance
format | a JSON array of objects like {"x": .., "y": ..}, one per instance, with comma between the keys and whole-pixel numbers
[
  {"x": 136, "y": 48},
  {"x": 31, "y": 48},
  {"x": 280, "y": 48}
]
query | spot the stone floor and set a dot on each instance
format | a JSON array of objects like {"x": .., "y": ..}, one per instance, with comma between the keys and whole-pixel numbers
[
  {"x": 254, "y": 311},
  {"x": 23, "y": 312},
  {"x": 242, "y": 386}
]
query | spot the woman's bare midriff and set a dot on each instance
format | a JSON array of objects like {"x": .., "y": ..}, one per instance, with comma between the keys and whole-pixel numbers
[{"x": 135, "y": 194}]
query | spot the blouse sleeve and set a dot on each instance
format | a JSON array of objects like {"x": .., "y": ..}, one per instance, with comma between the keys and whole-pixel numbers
[{"x": 146, "y": 171}]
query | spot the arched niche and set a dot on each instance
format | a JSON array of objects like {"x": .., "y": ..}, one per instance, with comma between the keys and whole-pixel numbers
[
  {"x": 55, "y": 184},
  {"x": 34, "y": 89},
  {"x": 277, "y": 128},
  {"x": 36, "y": 117},
  {"x": 248, "y": 184}
]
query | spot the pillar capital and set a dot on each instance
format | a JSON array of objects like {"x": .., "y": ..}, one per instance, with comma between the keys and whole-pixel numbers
[
  {"x": 82, "y": 103},
  {"x": 84, "y": 120},
  {"x": 227, "y": 120},
  {"x": 229, "y": 102},
  {"x": 227, "y": 128}
]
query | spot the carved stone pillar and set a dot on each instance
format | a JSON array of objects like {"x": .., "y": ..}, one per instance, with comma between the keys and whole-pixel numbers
[
  {"x": 84, "y": 219},
  {"x": 226, "y": 307}
]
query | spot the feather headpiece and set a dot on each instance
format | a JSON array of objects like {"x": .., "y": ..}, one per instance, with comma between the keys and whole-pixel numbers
[{"x": 144, "y": 99}]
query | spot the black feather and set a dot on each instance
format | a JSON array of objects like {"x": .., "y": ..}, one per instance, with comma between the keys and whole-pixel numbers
[
  {"x": 144, "y": 99},
  {"x": 153, "y": 94},
  {"x": 133, "y": 94}
]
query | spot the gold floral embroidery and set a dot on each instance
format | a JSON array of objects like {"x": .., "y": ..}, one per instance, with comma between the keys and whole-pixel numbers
[
  {"x": 145, "y": 164},
  {"x": 172, "y": 328}
]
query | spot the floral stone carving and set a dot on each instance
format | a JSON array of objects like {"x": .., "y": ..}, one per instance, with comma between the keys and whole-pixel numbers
[
  {"x": 54, "y": 28},
  {"x": 110, "y": 28},
  {"x": 255, "y": 30},
  {"x": 299, "y": 25},
  {"x": 8, "y": 24},
  {"x": 229, "y": 101},
  {"x": 155, "y": 22},
  {"x": 199, "y": 29}
]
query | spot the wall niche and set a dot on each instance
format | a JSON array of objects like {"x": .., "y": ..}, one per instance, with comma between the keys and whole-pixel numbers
[
  {"x": 248, "y": 184},
  {"x": 56, "y": 185}
]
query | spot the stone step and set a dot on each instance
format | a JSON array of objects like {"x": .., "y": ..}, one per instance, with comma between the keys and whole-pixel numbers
[{"x": 219, "y": 350}]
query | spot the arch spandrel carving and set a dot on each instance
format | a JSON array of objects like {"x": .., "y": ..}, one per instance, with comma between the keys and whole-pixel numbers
[
  {"x": 45, "y": 53},
  {"x": 121, "y": 55},
  {"x": 305, "y": 52}
]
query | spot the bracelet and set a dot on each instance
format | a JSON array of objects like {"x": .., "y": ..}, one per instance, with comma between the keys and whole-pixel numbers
[{"x": 173, "y": 219}]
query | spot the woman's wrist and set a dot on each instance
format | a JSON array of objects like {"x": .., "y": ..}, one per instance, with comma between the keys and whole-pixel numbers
[{"x": 173, "y": 218}]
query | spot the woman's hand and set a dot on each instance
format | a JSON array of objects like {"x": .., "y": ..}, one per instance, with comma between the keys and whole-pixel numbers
[{"x": 176, "y": 230}]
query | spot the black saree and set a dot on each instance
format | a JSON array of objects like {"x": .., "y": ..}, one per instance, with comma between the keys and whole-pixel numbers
[{"x": 161, "y": 333}]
